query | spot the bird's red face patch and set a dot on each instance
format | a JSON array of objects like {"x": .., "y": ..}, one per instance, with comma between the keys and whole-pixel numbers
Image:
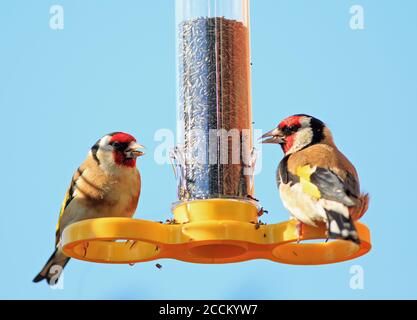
[
  {"x": 122, "y": 139},
  {"x": 121, "y": 160},
  {"x": 289, "y": 142},
  {"x": 289, "y": 128}
]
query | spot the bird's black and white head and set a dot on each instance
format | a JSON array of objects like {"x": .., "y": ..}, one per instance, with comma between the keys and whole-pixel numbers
[
  {"x": 116, "y": 151},
  {"x": 296, "y": 133}
]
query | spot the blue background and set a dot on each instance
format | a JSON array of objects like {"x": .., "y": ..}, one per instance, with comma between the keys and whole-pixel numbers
[{"x": 113, "y": 68}]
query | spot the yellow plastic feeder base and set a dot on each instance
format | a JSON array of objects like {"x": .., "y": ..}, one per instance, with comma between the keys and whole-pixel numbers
[{"x": 207, "y": 231}]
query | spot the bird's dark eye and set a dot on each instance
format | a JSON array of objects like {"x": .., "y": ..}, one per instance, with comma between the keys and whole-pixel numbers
[
  {"x": 120, "y": 146},
  {"x": 289, "y": 130}
]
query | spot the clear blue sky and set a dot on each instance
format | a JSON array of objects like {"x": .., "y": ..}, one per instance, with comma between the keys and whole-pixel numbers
[{"x": 113, "y": 68}]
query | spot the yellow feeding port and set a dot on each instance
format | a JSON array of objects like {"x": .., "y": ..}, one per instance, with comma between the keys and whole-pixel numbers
[{"x": 207, "y": 231}]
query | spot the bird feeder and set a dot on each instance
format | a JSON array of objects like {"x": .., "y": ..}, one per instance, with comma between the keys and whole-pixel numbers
[{"x": 216, "y": 218}]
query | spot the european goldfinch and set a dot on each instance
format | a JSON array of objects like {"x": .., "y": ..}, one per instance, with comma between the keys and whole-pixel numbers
[
  {"x": 107, "y": 184},
  {"x": 317, "y": 183}
]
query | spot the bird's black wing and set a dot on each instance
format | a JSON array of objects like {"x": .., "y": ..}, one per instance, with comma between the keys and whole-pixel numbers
[
  {"x": 332, "y": 187},
  {"x": 69, "y": 196}
]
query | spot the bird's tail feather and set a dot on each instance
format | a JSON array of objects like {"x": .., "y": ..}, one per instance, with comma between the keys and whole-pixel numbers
[
  {"x": 357, "y": 212},
  {"x": 53, "y": 268},
  {"x": 340, "y": 227}
]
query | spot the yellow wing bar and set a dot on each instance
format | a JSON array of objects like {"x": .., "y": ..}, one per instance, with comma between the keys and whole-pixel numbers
[{"x": 304, "y": 173}]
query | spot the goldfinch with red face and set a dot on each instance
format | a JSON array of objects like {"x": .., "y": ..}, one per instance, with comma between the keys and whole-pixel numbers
[
  {"x": 107, "y": 184},
  {"x": 317, "y": 183}
]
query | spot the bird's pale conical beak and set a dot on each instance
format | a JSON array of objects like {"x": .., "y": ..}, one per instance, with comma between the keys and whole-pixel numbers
[
  {"x": 133, "y": 151},
  {"x": 274, "y": 136}
]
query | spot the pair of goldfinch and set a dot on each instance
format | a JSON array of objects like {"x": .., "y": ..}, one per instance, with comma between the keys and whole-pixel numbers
[{"x": 317, "y": 183}]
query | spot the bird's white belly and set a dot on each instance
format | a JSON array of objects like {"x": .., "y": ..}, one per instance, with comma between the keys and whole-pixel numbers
[{"x": 302, "y": 206}]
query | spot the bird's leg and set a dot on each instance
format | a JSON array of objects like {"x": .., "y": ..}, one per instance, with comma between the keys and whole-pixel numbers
[
  {"x": 327, "y": 232},
  {"x": 299, "y": 229}
]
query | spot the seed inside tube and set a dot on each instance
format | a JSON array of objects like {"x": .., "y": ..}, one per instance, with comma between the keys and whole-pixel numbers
[{"x": 214, "y": 110}]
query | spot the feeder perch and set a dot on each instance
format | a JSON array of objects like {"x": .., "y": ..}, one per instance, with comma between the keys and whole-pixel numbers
[
  {"x": 215, "y": 218},
  {"x": 208, "y": 231}
]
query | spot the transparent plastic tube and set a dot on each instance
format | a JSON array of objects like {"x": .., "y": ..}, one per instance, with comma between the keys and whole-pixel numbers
[{"x": 214, "y": 157}]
